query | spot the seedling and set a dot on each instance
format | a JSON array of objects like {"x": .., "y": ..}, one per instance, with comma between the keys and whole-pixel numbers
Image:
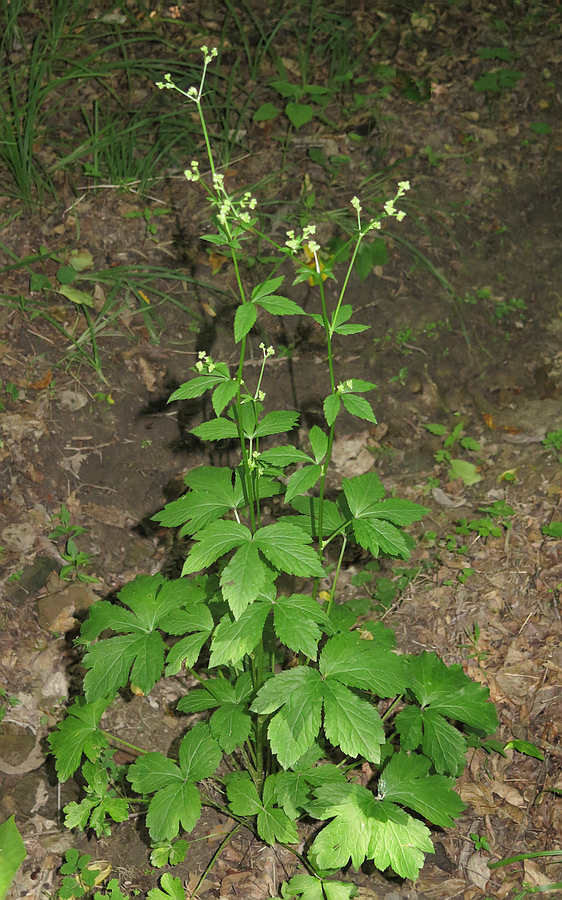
[
  {"x": 473, "y": 637},
  {"x": 287, "y": 688},
  {"x": 480, "y": 842},
  {"x": 497, "y": 80},
  {"x": 148, "y": 215},
  {"x": 10, "y": 390},
  {"x": 7, "y": 701},
  {"x": 505, "y": 308},
  {"x": 458, "y": 468},
  {"x": 553, "y": 441},
  {"x": 76, "y": 559},
  {"x": 486, "y": 526},
  {"x": 401, "y": 378},
  {"x": 383, "y": 591},
  {"x": 79, "y": 876}
]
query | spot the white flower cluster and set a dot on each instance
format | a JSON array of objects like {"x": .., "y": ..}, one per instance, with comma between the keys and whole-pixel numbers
[
  {"x": 167, "y": 84},
  {"x": 209, "y": 55},
  {"x": 294, "y": 243},
  {"x": 204, "y": 363},
  {"x": 389, "y": 208},
  {"x": 267, "y": 351}
]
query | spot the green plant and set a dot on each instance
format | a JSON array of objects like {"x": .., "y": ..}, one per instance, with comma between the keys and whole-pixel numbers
[
  {"x": 11, "y": 390},
  {"x": 527, "y": 888},
  {"x": 486, "y": 526},
  {"x": 134, "y": 290},
  {"x": 473, "y": 637},
  {"x": 79, "y": 875},
  {"x": 553, "y": 440},
  {"x": 148, "y": 215},
  {"x": 498, "y": 79},
  {"x": 12, "y": 854},
  {"x": 383, "y": 591},
  {"x": 505, "y": 308},
  {"x": 458, "y": 468},
  {"x": 75, "y": 559},
  {"x": 6, "y": 701},
  {"x": 480, "y": 842},
  {"x": 285, "y": 681}
]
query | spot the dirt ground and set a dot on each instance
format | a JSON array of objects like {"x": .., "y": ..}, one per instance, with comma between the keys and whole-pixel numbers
[{"x": 486, "y": 213}]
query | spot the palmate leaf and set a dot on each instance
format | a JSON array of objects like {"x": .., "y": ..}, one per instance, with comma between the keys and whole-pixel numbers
[
  {"x": 447, "y": 690},
  {"x": 273, "y": 824},
  {"x": 287, "y": 548},
  {"x": 365, "y": 828},
  {"x": 149, "y": 597},
  {"x": 138, "y": 654},
  {"x": 364, "y": 664},
  {"x": 351, "y": 723},
  {"x": 299, "y": 694},
  {"x": 405, "y": 780},
  {"x": 296, "y": 623},
  {"x": 302, "y": 480},
  {"x": 214, "y": 541},
  {"x": 78, "y": 733},
  {"x": 212, "y": 495},
  {"x": 352, "y": 808},
  {"x": 232, "y": 640},
  {"x": 243, "y": 578},
  {"x": 176, "y": 799}
]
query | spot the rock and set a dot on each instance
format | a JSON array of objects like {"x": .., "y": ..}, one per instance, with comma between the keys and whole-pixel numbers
[{"x": 56, "y": 611}]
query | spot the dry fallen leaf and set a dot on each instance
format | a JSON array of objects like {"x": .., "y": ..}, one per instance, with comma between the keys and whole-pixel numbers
[{"x": 478, "y": 871}]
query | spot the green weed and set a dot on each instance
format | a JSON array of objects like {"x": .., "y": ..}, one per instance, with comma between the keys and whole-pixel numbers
[
  {"x": 458, "y": 468},
  {"x": 76, "y": 560},
  {"x": 284, "y": 681}
]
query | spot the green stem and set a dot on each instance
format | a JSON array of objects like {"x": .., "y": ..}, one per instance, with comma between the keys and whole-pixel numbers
[
  {"x": 113, "y": 737},
  {"x": 336, "y": 575},
  {"x": 216, "y": 855}
]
